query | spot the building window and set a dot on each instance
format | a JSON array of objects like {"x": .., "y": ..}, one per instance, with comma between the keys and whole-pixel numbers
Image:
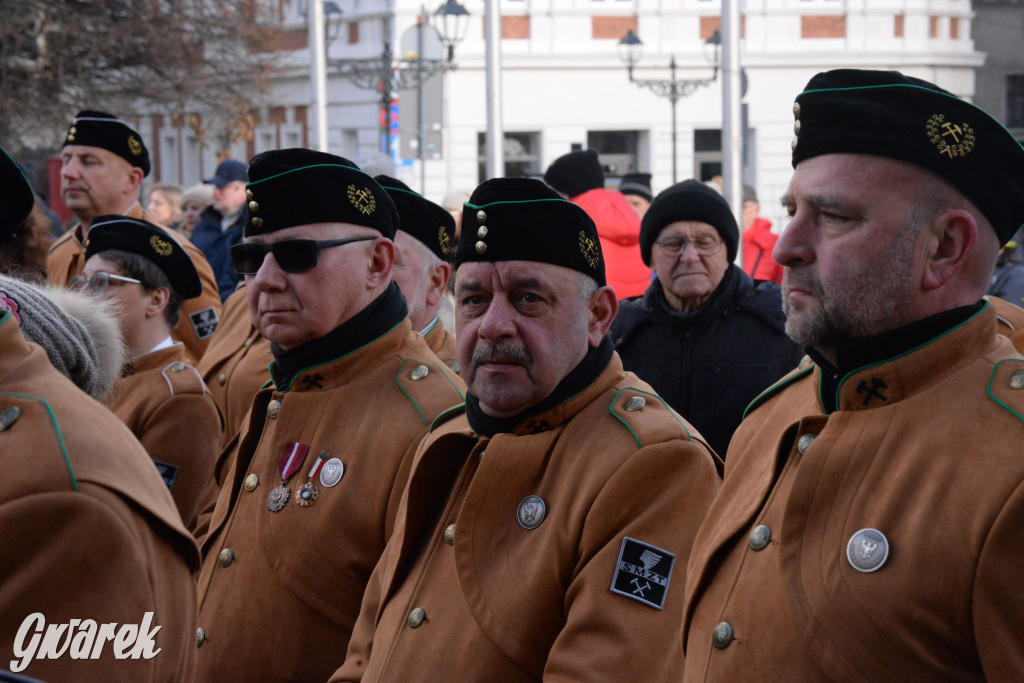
[
  {"x": 1015, "y": 101},
  {"x": 707, "y": 153},
  {"x": 617, "y": 150},
  {"x": 522, "y": 155}
]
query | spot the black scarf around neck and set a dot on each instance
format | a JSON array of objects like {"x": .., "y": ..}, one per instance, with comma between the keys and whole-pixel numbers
[
  {"x": 592, "y": 365},
  {"x": 379, "y": 316}
]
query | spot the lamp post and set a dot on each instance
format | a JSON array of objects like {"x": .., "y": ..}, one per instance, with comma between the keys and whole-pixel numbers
[
  {"x": 386, "y": 74},
  {"x": 324, "y": 19},
  {"x": 630, "y": 51}
]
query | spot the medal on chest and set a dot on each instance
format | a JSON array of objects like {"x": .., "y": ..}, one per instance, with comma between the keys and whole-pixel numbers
[
  {"x": 288, "y": 464},
  {"x": 308, "y": 492}
]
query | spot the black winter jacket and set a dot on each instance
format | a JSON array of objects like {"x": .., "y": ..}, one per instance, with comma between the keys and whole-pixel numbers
[{"x": 710, "y": 364}]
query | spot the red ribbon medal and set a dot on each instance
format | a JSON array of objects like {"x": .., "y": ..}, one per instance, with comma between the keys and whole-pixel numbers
[
  {"x": 308, "y": 493},
  {"x": 288, "y": 464}
]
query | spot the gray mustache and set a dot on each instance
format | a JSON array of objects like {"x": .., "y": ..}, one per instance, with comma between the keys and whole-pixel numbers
[{"x": 503, "y": 351}]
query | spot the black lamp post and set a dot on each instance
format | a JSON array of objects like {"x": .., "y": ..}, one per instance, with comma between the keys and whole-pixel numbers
[{"x": 631, "y": 48}]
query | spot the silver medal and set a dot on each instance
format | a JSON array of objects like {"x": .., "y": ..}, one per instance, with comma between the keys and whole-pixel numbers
[
  {"x": 867, "y": 550},
  {"x": 332, "y": 472},
  {"x": 531, "y": 513},
  {"x": 278, "y": 497}
]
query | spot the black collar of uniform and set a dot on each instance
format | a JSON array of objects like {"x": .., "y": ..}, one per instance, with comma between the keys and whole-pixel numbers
[
  {"x": 588, "y": 369},
  {"x": 657, "y": 305},
  {"x": 854, "y": 354},
  {"x": 379, "y": 316}
]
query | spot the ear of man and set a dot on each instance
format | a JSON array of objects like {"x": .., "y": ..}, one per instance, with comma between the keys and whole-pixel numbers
[
  {"x": 601, "y": 310},
  {"x": 156, "y": 301},
  {"x": 951, "y": 248},
  {"x": 382, "y": 258},
  {"x": 438, "y": 275}
]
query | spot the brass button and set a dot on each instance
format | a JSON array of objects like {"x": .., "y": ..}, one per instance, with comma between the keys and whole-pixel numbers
[
  {"x": 481, "y": 232},
  {"x": 251, "y": 482},
  {"x": 247, "y": 342},
  {"x": 636, "y": 403},
  {"x": 449, "y": 534},
  {"x": 222, "y": 379},
  {"x": 417, "y": 617},
  {"x": 248, "y": 194},
  {"x": 177, "y": 367},
  {"x": 418, "y": 373},
  {"x": 796, "y": 109},
  {"x": 1017, "y": 379},
  {"x": 254, "y": 207},
  {"x": 804, "y": 442},
  {"x": 454, "y": 367},
  {"x": 481, "y": 247},
  {"x": 73, "y": 130},
  {"x": 257, "y": 222},
  {"x": 226, "y": 557},
  {"x": 760, "y": 537},
  {"x": 200, "y": 636},
  {"x": 796, "y": 127},
  {"x": 481, "y": 216},
  {"x": 722, "y": 635},
  {"x": 273, "y": 408},
  {"x": 71, "y": 138},
  {"x": 792, "y": 145}
]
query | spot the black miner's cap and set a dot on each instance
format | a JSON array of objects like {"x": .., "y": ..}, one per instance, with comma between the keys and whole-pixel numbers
[
  {"x": 17, "y": 197},
  {"x": 423, "y": 219},
  {"x": 289, "y": 187},
  {"x": 520, "y": 219},
  {"x": 99, "y": 129},
  {"x": 147, "y": 240},
  {"x": 887, "y": 114}
]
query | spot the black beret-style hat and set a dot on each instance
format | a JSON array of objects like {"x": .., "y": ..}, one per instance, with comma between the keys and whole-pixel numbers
[
  {"x": 575, "y": 173},
  {"x": 99, "y": 129},
  {"x": 17, "y": 197},
  {"x": 431, "y": 224},
  {"x": 690, "y": 200},
  {"x": 638, "y": 184},
  {"x": 887, "y": 114},
  {"x": 289, "y": 187},
  {"x": 147, "y": 240},
  {"x": 521, "y": 219}
]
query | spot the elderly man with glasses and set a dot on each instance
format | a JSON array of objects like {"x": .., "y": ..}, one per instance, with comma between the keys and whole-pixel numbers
[
  {"x": 707, "y": 337},
  {"x": 309, "y": 489}
]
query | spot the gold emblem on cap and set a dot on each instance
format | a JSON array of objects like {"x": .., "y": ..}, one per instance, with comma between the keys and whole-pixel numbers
[
  {"x": 589, "y": 250},
  {"x": 161, "y": 247},
  {"x": 362, "y": 199},
  {"x": 952, "y": 139},
  {"x": 134, "y": 146},
  {"x": 443, "y": 240}
]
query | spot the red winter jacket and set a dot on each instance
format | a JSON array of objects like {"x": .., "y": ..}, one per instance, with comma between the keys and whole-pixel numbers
[
  {"x": 758, "y": 243},
  {"x": 618, "y": 227}
]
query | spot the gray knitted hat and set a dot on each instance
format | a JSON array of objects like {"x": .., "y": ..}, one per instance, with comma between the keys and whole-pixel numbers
[{"x": 67, "y": 341}]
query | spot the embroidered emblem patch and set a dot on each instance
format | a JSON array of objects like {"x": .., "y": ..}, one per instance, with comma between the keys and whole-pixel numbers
[
  {"x": 168, "y": 471},
  {"x": 9, "y": 304},
  {"x": 643, "y": 572},
  {"x": 134, "y": 146},
  {"x": 589, "y": 250},
  {"x": 953, "y": 140},
  {"x": 362, "y": 199},
  {"x": 161, "y": 247},
  {"x": 442, "y": 240},
  {"x": 204, "y": 322}
]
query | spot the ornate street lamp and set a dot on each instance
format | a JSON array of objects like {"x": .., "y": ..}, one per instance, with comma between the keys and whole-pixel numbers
[{"x": 631, "y": 49}]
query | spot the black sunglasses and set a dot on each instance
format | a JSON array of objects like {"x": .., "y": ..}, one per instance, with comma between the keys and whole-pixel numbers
[{"x": 293, "y": 256}]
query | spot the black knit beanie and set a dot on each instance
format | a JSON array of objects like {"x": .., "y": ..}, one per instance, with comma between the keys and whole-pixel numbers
[
  {"x": 689, "y": 200},
  {"x": 575, "y": 173}
]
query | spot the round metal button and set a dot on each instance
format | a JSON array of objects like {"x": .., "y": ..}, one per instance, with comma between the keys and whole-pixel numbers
[
  {"x": 481, "y": 247},
  {"x": 417, "y": 617},
  {"x": 226, "y": 557},
  {"x": 200, "y": 636},
  {"x": 257, "y": 222},
  {"x": 248, "y": 194},
  {"x": 531, "y": 513},
  {"x": 273, "y": 408},
  {"x": 636, "y": 403},
  {"x": 177, "y": 367},
  {"x": 481, "y": 232},
  {"x": 792, "y": 145},
  {"x": 247, "y": 342},
  {"x": 796, "y": 127},
  {"x": 481, "y": 216},
  {"x": 867, "y": 550},
  {"x": 449, "y": 534},
  {"x": 760, "y": 537},
  {"x": 454, "y": 367},
  {"x": 796, "y": 109},
  {"x": 722, "y": 635},
  {"x": 251, "y": 482},
  {"x": 73, "y": 130},
  {"x": 1017, "y": 379},
  {"x": 418, "y": 373},
  {"x": 222, "y": 379},
  {"x": 804, "y": 442},
  {"x": 254, "y": 207}
]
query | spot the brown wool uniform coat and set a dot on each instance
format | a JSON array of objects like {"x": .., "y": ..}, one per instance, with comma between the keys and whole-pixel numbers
[
  {"x": 442, "y": 343},
  {"x": 87, "y": 527},
  {"x": 164, "y": 402},
  {"x": 199, "y": 315},
  {"x": 280, "y": 591},
  {"x": 501, "y": 602},
  {"x": 235, "y": 364},
  {"x": 935, "y": 466}
]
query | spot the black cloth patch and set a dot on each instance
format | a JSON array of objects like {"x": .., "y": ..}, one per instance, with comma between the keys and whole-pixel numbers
[
  {"x": 204, "y": 322},
  {"x": 643, "y": 572},
  {"x": 168, "y": 471}
]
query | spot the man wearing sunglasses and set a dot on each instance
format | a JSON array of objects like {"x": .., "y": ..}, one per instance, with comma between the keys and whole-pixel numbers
[
  {"x": 161, "y": 397},
  {"x": 103, "y": 163},
  {"x": 308, "y": 491},
  {"x": 424, "y": 237}
]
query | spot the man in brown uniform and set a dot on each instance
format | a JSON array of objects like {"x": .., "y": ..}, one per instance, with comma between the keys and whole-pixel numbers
[
  {"x": 161, "y": 397},
  {"x": 573, "y": 491},
  {"x": 89, "y": 532},
  {"x": 425, "y": 234},
  {"x": 310, "y": 492},
  {"x": 104, "y": 162},
  {"x": 869, "y": 524}
]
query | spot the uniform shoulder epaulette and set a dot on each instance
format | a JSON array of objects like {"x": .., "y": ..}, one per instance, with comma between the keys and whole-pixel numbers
[
  {"x": 68, "y": 234},
  {"x": 1006, "y": 386},
  {"x": 182, "y": 378},
  {"x": 647, "y": 416},
  {"x": 421, "y": 381},
  {"x": 805, "y": 368}
]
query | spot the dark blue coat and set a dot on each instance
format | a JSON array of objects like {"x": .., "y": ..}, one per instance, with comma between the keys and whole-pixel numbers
[{"x": 216, "y": 245}]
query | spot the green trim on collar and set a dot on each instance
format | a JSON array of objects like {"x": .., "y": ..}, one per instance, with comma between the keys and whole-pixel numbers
[
  {"x": 332, "y": 360},
  {"x": 56, "y": 428},
  {"x": 4, "y": 316},
  {"x": 445, "y": 415},
  {"x": 775, "y": 388},
  {"x": 992, "y": 379},
  {"x": 611, "y": 406}
]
